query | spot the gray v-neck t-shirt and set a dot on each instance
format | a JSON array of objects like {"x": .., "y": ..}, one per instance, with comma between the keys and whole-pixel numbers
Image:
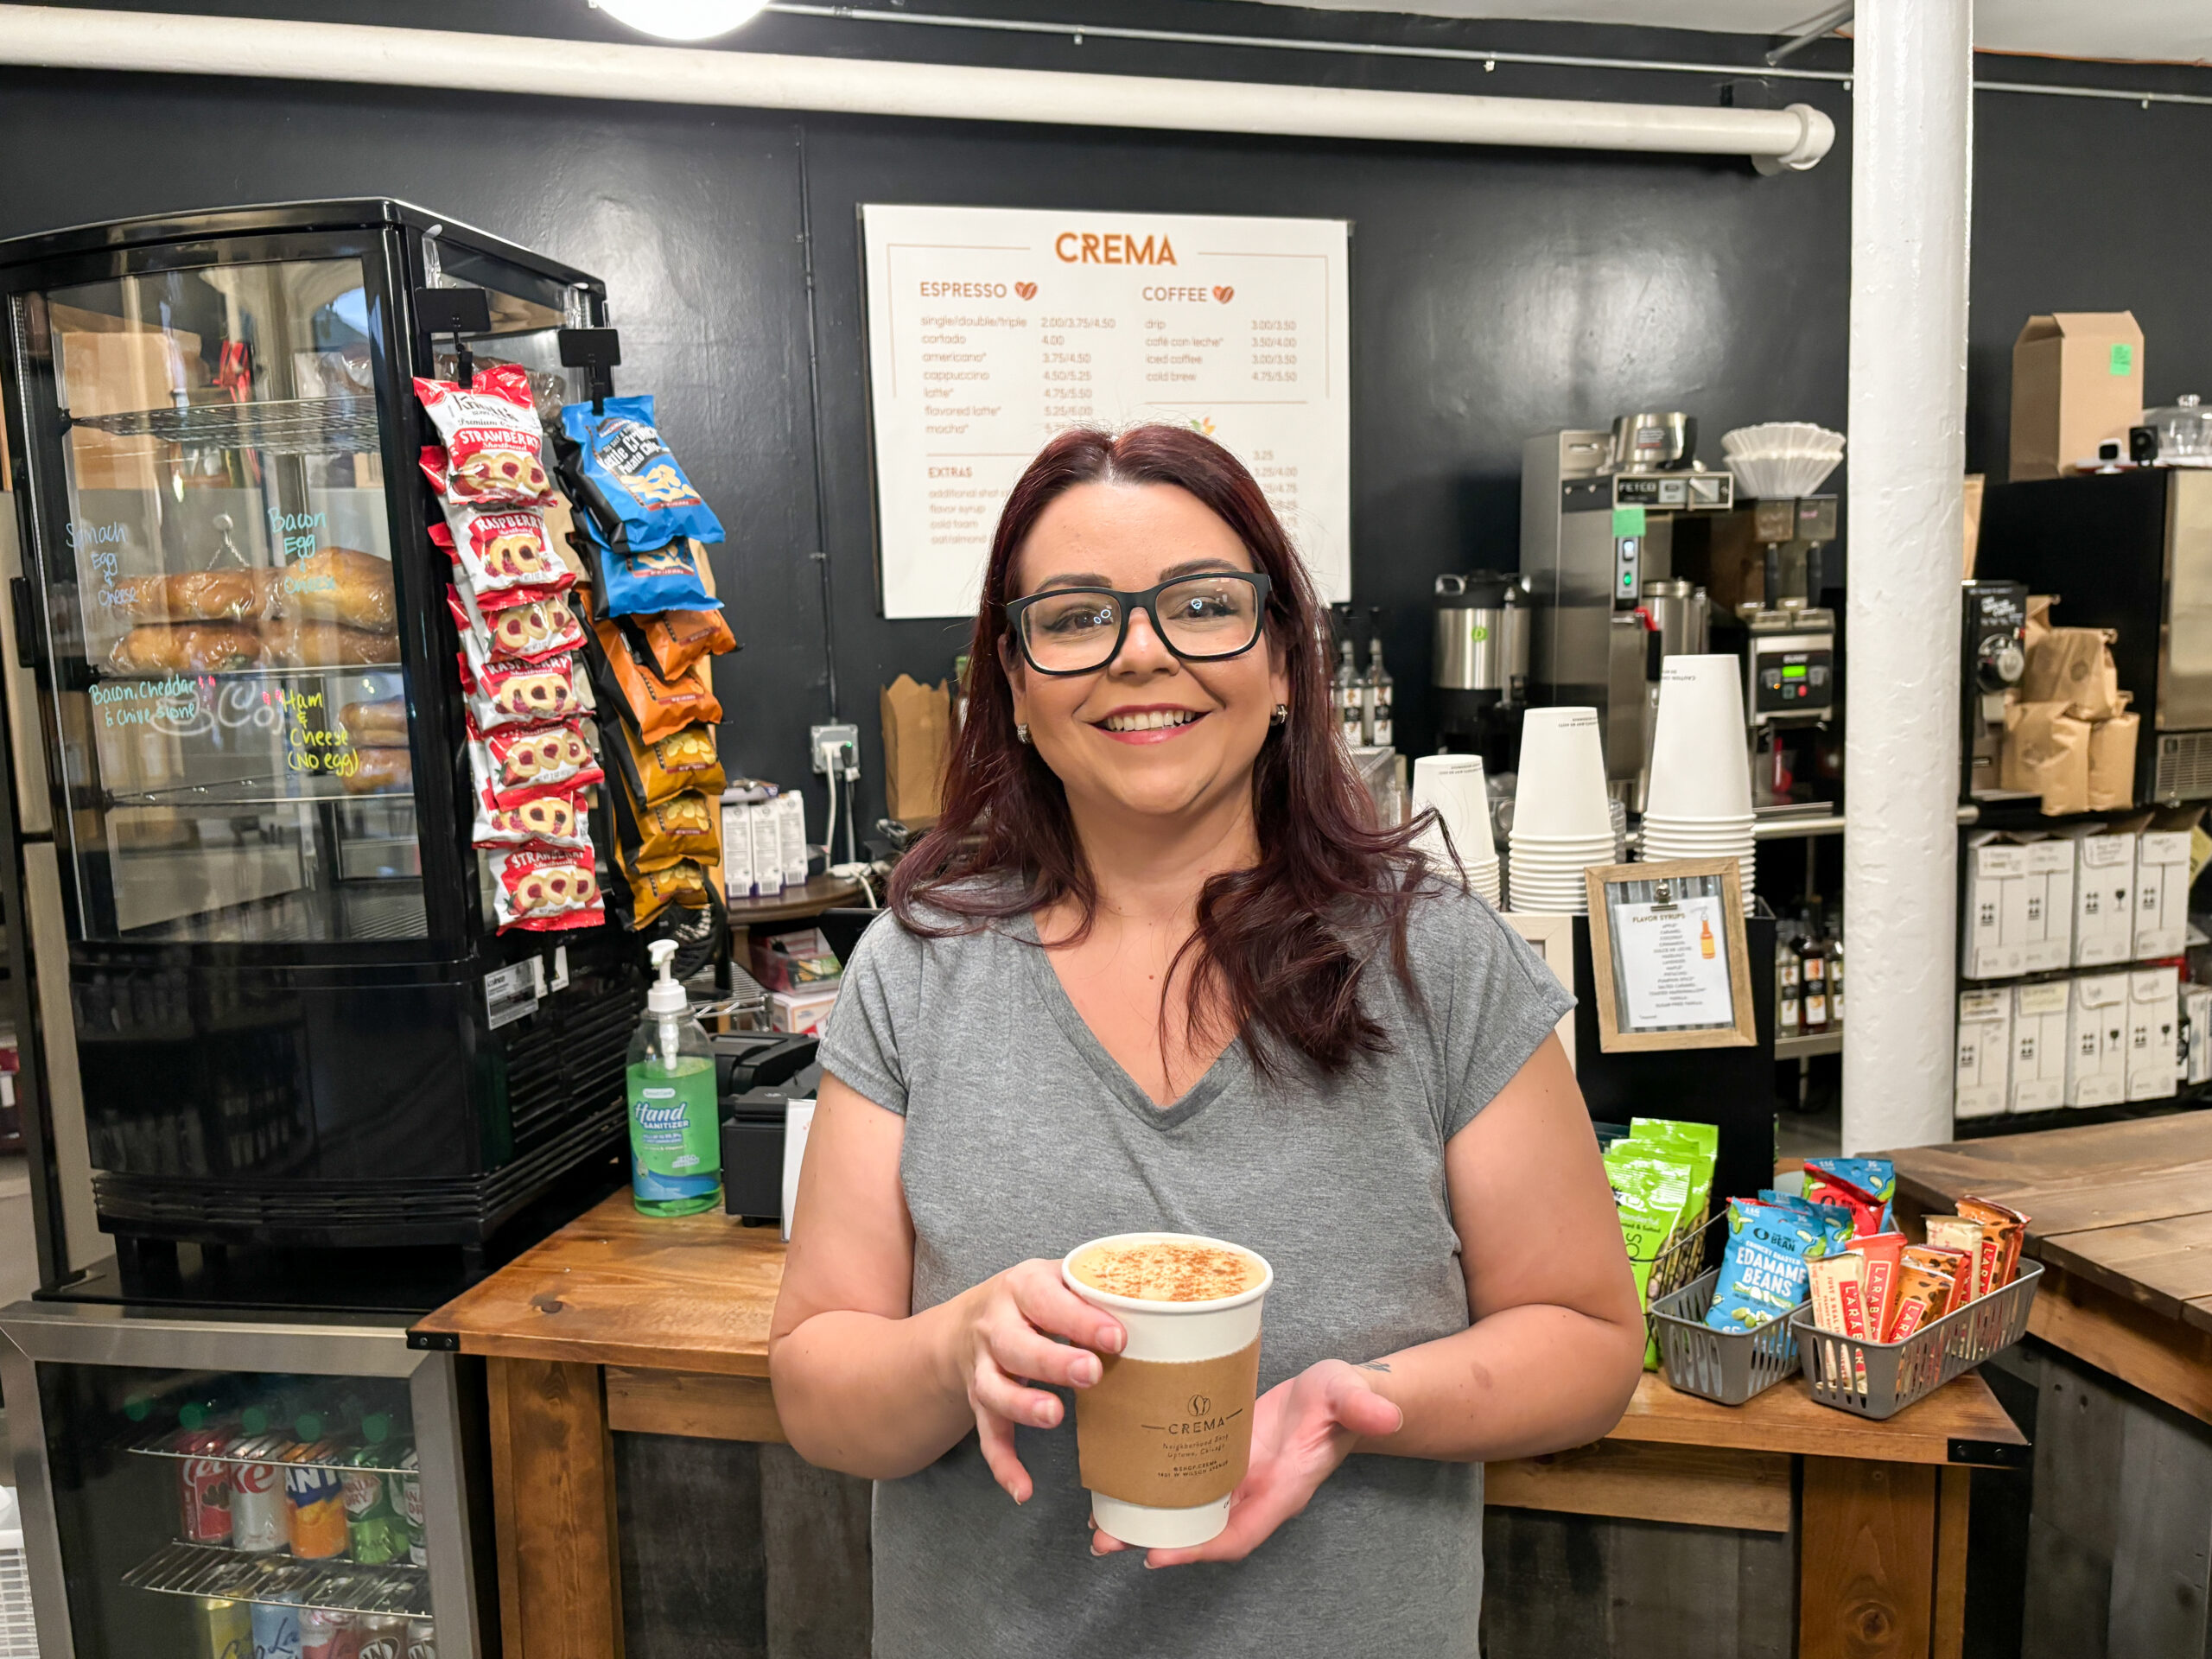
[{"x": 1023, "y": 1138}]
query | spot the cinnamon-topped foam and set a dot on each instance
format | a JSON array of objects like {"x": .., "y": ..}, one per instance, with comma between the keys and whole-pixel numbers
[{"x": 1163, "y": 1271}]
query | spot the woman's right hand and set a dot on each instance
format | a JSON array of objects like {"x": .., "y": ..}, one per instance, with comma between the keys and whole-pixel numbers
[{"x": 1005, "y": 1342}]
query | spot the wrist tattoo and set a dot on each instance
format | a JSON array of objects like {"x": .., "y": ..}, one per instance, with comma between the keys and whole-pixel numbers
[{"x": 1373, "y": 1365}]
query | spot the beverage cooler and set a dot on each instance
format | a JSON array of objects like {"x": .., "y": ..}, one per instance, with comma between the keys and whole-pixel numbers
[
  {"x": 295, "y": 1023},
  {"x": 240, "y": 1488}
]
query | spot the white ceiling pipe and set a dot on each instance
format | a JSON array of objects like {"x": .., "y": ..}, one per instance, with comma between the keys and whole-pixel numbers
[
  {"x": 64, "y": 38},
  {"x": 1911, "y": 141}
]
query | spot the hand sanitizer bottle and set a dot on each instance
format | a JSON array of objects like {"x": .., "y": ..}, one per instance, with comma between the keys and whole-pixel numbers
[{"x": 675, "y": 1127}]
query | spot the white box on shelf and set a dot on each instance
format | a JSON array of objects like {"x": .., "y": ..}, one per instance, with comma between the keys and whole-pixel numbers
[
  {"x": 2104, "y": 897},
  {"x": 2096, "y": 1040},
  {"x": 1996, "y": 921},
  {"x": 1984, "y": 1050},
  {"x": 803, "y": 1013},
  {"x": 763, "y": 822},
  {"x": 2161, "y": 893},
  {"x": 2197, "y": 1025},
  {"x": 2153, "y": 1023},
  {"x": 737, "y": 850},
  {"x": 2049, "y": 941},
  {"x": 2038, "y": 1081}
]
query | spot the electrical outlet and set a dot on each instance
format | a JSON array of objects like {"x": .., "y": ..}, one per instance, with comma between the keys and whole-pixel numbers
[{"x": 823, "y": 741}]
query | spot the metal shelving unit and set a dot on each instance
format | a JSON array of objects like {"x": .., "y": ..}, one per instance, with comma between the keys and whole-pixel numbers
[
  {"x": 335, "y": 1586},
  {"x": 291, "y": 426},
  {"x": 176, "y": 1445}
]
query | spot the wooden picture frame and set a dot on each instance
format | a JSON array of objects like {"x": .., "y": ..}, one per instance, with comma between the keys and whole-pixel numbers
[
  {"x": 1623, "y": 896},
  {"x": 1553, "y": 937}
]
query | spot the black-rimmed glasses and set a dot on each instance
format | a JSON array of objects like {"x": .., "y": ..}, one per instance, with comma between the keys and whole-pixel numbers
[{"x": 1201, "y": 619}]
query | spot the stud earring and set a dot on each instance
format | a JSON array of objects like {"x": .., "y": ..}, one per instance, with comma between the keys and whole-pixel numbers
[
  {"x": 1281, "y": 714},
  {"x": 1021, "y": 732}
]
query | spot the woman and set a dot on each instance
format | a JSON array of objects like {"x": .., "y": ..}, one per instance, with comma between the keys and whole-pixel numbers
[{"x": 1154, "y": 970}]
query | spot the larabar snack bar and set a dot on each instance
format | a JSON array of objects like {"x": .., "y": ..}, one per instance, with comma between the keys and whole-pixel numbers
[
  {"x": 1956, "y": 1233},
  {"x": 1839, "y": 1285},
  {"x": 1924, "y": 1282},
  {"x": 2011, "y": 1228},
  {"x": 1883, "y": 1252}
]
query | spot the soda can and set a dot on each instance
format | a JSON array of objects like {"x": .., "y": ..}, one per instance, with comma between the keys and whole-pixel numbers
[
  {"x": 225, "y": 1628},
  {"x": 258, "y": 1507},
  {"x": 383, "y": 1637},
  {"x": 315, "y": 1496},
  {"x": 205, "y": 1488},
  {"x": 325, "y": 1633},
  {"x": 276, "y": 1631},
  {"x": 411, "y": 1510},
  {"x": 422, "y": 1639}
]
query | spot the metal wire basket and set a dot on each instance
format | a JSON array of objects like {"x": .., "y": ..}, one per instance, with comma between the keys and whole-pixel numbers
[
  {"x": 1880, "y": 1379},
  {"x": 1729, "y": 1366}
]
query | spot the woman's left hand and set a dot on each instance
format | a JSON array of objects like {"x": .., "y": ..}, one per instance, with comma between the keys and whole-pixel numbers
[{"x": 1301, "y": 1430}]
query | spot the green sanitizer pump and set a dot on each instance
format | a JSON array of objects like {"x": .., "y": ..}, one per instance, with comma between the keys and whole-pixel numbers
[{"x": 674, "y": 1139}]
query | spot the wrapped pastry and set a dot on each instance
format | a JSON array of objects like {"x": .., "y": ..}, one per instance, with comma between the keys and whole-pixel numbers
[
  {"x": 546, "y": 891},
  {"x": 493, "y": 446},
  {"x": 336, "y": 584},
  {"x": 501, "y": 548},
  {"x": 187, "y": 647},
  {"x": 381, "y": 724},
  {"x": 302, "y": 642},
  {"x": 379, "y": 769},
  {"x": 522, "y": 763},
  {"x": 551, "y": 823}
]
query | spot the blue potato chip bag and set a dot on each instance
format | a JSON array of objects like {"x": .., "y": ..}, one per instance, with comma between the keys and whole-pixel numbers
[
  {"x": 1764, "y": 1274},
  {"x": 634, "y": 492},
  {"x": 645, "y": 584}
]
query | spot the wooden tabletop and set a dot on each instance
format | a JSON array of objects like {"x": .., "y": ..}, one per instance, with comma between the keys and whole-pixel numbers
[
  {"x": 694, "y": 1293},
  {"x": 2127, "y": 1207},
  {"x": 614, "y": 1287},
  {"x": 821, "y": 893}
]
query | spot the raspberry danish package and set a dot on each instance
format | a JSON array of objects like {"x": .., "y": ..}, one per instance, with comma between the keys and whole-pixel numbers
[
  {"x": 509, "y": 693},
  {"x": 522, "y": 764},
  {"x": 527, "y": 633},
  {"x": 553, "y": 822},
  {"x": 543, "y": 892},
  {"x": 633, "y": 491},
  {"x": 494, "y": 448},
  {"x": 501, "y": 550}
]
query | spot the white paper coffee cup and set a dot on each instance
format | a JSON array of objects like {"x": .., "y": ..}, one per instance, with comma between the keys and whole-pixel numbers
[{"x": 1173, "y": 1334}]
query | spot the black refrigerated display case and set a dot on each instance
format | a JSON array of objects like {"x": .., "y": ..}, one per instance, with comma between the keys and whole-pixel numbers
[
  {"x": 237, "y": 1486},
  {"x": 295, "y": 1024}
]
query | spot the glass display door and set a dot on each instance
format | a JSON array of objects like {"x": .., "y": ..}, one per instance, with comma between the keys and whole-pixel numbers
[
  {"x": 221, "y": 611},
  {"x": 209, "y": 1512}
]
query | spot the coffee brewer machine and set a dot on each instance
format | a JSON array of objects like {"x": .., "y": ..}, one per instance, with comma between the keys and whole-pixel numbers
[
  {"x": 1991, "y": 658},
  {"x": 1600, "y": 516},
  {"x": 1478, "y": 669},
  {"x": 1761, "y": 562}
]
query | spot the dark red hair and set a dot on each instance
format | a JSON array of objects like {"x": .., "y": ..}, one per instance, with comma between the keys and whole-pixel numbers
[{"x": 1280, "y": 947}]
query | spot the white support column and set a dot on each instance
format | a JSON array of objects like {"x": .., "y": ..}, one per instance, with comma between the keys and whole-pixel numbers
[{"x": 1910, "y": 153}]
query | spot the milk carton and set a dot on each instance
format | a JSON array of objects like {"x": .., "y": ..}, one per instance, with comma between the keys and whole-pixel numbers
[
  {"x": 2153, "y": 1025},
  {"x": 1983, "y": 1050},
  {"x": 2038, "y": 1080},
  {"x": 1994, "y": 942},
  {"x": 2096, "y": 1040},
  {"x": 2104, "y": 897},
  {"x": 2161, "y": 893}
]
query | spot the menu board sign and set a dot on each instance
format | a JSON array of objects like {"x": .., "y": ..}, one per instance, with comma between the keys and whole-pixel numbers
[{"x": 991, "y": 329}]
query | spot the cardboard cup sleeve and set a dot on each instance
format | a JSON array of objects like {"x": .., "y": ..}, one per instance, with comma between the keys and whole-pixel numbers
[{"x": 1168, "y": 1434}]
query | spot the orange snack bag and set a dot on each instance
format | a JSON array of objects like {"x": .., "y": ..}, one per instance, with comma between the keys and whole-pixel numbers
[
  {"x": 656, "y": 706},
  {"x": 2010, "y": 1230}
]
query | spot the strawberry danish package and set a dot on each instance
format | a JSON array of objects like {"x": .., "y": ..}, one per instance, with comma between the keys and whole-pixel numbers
[
  {"x": 494, "y": 447},
  {"x": 546, "y": 891},
  {"x": 552, "y": 824}
]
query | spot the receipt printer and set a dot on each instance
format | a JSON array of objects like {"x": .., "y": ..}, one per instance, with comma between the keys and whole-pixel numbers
[{"x": 757, "y": 1075}]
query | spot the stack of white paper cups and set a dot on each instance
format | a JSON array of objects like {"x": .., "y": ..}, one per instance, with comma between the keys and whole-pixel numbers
[
  {"x": 1562, "y": 816},
  {"x": 1453, "y": 786},
  {"x": 1701, "y": 801}
]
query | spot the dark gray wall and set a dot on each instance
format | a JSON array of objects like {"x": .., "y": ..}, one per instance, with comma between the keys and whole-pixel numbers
[{"x": 1496, "y": 293}]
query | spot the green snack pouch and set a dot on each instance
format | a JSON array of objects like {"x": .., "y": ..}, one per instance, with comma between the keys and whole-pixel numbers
[
  {"x": 1650, "y": 1190},
  {"x": 1697, "y": 1145}
]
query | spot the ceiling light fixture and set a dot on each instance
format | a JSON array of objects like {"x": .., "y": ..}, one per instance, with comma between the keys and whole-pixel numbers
[{"x": 681, "y": 20}]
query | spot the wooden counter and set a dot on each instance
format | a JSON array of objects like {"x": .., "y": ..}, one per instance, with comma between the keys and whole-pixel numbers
[
  {"x": 2120, "y": 1216},
  {"x": 622, "y": 1323}
]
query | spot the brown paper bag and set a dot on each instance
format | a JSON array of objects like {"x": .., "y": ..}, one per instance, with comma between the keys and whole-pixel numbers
[
  {"x": 2074, "y": 666},
  {"x": 2047, "y": 750},
  {"x": 1976, "y": 482},
  {"x": 917, "y": 736},
  {"x": 2112, "y": 761}
]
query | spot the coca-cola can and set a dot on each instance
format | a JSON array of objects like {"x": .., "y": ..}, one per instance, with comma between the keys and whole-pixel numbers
[
  {"x": 325, "y": 1634},
  {"x": 257, "y": 1501},
  {"x": 422, "y": 1639},
  {"x": 205, "y": 1488}
]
